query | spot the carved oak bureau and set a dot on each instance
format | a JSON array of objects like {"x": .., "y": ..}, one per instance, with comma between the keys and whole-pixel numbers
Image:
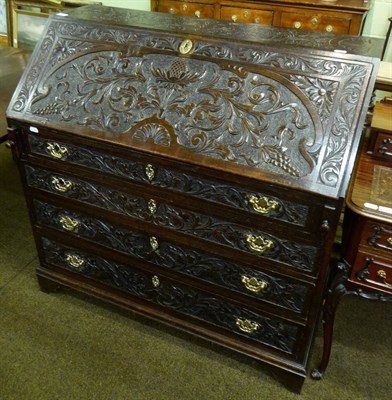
[{"x": 192, "y": 172}]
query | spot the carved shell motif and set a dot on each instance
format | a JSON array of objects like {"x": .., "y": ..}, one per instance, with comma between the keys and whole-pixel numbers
[{"x": 220, "y": 111}]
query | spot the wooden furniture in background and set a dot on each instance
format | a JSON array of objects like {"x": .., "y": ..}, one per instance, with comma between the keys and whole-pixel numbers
[
  {"x": 366, "y": 267},
  {"x": 35, "y": 14},
  {"x": 12, "y": 64},
  {"x": 171, "y": 169},
  {"x": 340, "y": 16}
]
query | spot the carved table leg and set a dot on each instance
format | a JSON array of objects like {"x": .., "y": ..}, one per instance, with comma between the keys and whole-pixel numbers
[
  {"x": 335, "y": 293},
  {"x": 338, "y": 289}
]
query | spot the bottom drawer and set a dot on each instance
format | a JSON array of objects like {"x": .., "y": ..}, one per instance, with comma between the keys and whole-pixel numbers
[
  {"x": 162, "y": 291},
  {"x": 372, "y": 271}
]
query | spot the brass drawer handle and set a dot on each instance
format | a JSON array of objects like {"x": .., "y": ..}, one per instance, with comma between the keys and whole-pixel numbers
[
  {"x": 297, "y": 24},
  {"x": 171, "y": 10},
  {"x": 150, "y": 172},
  {"x": 389, "y": 241},
  {"x": 154, "y": 243},
  {"x": 75, "y": 261},
  {"x": 263, "y": 205},
  {"x": 197, "y": 13},
  {"x": 253, "y": 284},
  {"x": 329, "y": 28},
  {"x": 314, "y": 21},
  {"x": 56, "y": 150},
  {"x": 259, "y": 244},
  {"x": 257, "y": 20},
  {"x": 234, "y": 18},
  {"x": 152, "y": 206},
  {"x": 68, "y": 223},
  {"x": 383, "y": 275},
  {"x": 155, "y": 281},
  {"x": 61, "y": 185},
  {"x": 184, "y": 7},
  {"x": 186, "y": 46},
  {"x": 247, "y": 326},
  {"x": 245, "y": 14}
]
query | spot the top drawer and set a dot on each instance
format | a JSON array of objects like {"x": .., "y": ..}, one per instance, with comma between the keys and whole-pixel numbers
[
  {"x": 198, "y": 10},
  {"x": 378, "y": 236},
  {"x": 236, "y": 14},
  {"x": 312, "y": 20},
  {"x": 265, "y": 202}
]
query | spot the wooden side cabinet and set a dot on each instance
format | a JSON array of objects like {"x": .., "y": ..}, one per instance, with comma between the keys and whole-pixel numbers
[
  {"x": 366, "y": 268},
  {"x": 340, "y": 16}
]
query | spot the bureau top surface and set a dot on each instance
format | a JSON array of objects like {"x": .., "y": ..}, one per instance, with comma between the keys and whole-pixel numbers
[{"x": 275, "y": 105}]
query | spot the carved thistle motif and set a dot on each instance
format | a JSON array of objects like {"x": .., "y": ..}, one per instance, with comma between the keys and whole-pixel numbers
[
  {"x": 220, "y": 111},
  {"x": 247, "y": 104}
]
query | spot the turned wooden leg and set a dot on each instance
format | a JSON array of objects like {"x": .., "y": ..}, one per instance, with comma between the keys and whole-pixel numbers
[{"x": 335, "y": 293}]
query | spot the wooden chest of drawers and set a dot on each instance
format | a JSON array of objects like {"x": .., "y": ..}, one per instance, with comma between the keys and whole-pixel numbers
[
  {"x": 340, "y": 16},
  {"x": 192, "y": 172}
]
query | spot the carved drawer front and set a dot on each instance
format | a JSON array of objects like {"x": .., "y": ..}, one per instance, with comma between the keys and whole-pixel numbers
[
  {"x": 198, "y": 10},
  {"x": 167, "y": 293},
  {"x": 283, "y": 292},
  {"x": 380, "y": 145},
  {"x": 156, "y": 212},
  {"x": 237, "y": 14},
  {"x": 315, "y": 21},
  {"x": 260, "y": 203},
  {"x": 373, "y": 271},
  {"x": 378, "y": 236}
]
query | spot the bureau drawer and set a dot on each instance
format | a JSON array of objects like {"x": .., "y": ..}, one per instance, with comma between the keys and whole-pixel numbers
[
  {"x": 372, "y": 271},
  {"x": 315, "y": 21},
  {"x": 272, "y": 249},
  {"x": 199, "y": 10},
  {"x": 237, "y": 14},
  {"x": 167, "y": 293},
  {"x": 273, "y": 288},
  {"x": 262, "y": 203},
  {"x": 378, "y": 236}
]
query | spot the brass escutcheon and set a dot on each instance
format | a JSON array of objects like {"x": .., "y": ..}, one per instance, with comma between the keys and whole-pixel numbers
[
  {"x": 259, "y": 244},
  {"x": 155, "y": 281},
  {"x": 247, "y": 326},
  {"x": 253, "y": 284},
  {"x": 74, "y": 260},
  {"x": 263, "y": 205},
  {"x": 152, "y": 206},
  {"x": 68, "y": 223},
  {"x": 186, "y": 46},
  {"x": 56, "y": 150},
  {"x": 297, "y": 24},
  {"x": 154, "y": 243},
  {"x": 150, "y": 172},
  {"x": 61, "y": 185},
  {"x": 389, "y": 241}
]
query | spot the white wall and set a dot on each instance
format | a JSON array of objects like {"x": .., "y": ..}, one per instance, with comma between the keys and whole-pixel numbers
[
  {"x": 135, "y": 4},
  {"x": 376, "y": 24}
]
